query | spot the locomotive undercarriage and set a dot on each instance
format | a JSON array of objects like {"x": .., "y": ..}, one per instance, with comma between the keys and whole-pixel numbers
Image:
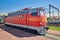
[{"x": 40, "y": 31}]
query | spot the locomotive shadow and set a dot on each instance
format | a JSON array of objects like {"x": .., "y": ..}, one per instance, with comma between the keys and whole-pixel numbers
[{"x": 16, "y": 32}]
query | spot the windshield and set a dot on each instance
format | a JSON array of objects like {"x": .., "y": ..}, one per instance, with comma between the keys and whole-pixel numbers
[{"x": 40, "y": 12}]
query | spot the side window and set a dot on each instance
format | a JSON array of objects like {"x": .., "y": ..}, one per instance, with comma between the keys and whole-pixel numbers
[{"x": 34, "y": 14}]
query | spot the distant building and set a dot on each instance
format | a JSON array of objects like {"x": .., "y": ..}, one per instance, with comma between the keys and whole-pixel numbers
[{"x": 3, "y": 14}]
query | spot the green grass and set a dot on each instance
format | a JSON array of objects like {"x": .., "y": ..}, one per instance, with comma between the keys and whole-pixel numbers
[{"x": 54, "y": 28}]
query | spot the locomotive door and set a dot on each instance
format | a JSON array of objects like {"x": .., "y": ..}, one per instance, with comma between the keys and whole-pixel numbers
[{"x": 27, "y": 17}]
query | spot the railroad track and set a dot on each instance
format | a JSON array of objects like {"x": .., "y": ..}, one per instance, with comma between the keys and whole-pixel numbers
[
  {"x": 56, "y": 23},
  {"x": 48, "y": 35},
  {"x": 52, "y": 36}
]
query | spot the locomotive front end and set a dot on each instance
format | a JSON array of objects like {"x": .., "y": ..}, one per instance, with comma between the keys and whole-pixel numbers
[{"x": 43, "y": 22}]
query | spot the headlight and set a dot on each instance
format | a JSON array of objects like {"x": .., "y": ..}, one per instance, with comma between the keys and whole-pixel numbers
[{"x": 40, "y": 23}]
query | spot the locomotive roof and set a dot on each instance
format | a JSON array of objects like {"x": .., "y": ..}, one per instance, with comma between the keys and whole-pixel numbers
[{"x": 27, "y": 9}]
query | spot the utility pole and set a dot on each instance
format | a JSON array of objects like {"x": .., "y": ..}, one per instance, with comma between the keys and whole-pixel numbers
[{"x": 50, "y": 6}]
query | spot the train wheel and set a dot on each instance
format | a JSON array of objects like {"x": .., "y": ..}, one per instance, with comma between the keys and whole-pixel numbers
[{"x": 42, "y": 33}]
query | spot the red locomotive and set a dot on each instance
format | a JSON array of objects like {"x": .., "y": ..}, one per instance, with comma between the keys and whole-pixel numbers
[{"x": 33, "y": 18}]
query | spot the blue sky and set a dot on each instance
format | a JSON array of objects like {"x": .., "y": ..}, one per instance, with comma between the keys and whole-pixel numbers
[{"x": 13, "y": 5}]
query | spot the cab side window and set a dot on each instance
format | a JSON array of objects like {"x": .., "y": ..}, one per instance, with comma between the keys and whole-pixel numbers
[{"x": 34, "y": 14}]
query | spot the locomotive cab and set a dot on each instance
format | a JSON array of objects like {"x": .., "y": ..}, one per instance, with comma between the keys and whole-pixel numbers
[
  {"x": 38, "y": 20},
  {"x": 42, "y": 21}
]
